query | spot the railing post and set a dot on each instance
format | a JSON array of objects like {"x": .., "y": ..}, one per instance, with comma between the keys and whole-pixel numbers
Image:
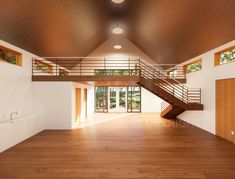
[
  {"x": 32, "y": 66},
  {"x": 187, "y": 96},
  {"x": 105, "y": 66},
  {"x": 182, "y": 91},
  {"x": 200, "y": 95},
  {"x": 80, "y": 61},
  {"x": 56, "y": 67}
]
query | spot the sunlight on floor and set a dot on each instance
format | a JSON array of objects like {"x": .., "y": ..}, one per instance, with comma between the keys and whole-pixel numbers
[{"x": 98, "y": 118}]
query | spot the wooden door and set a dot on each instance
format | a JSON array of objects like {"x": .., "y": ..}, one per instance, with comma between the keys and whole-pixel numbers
[
  {"x": 78, "y": 103},
  {"x": 225, "y": 109}
]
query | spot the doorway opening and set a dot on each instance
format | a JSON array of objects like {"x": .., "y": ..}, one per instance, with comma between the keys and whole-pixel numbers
[
  {"x": 118, "y": 99},
  {"x": 81, "y": 104}
]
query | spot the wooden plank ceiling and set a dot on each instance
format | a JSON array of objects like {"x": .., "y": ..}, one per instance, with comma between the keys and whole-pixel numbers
[{"x": 169, "y": 31}]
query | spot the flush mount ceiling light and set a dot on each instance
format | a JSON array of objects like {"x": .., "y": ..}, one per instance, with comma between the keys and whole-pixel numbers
[
  {"x": 117, "y": 30},
  {"x": 117, "y": 47},
  {"x": 117, "y": 1}
]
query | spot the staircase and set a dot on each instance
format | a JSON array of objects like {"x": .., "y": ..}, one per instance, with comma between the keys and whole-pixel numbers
[
  {"x": 165, "y": 81},
  {"x": 179, "y": 98}
]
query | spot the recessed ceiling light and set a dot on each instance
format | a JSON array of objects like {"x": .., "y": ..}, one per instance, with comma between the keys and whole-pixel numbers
[
  {"x": 117, "y": 47},
  {"x": 117, "y": 30},
  {"x": 118, "y": 1}
]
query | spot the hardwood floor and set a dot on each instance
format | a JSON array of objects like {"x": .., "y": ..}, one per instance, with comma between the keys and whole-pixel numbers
[{"x": 132, "y": 147}]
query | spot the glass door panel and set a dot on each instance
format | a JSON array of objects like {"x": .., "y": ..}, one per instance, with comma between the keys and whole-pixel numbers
[
  {"x": 117, "y": 99},
  {"x": 101, "y": 99},
  {"x": 122, "y": 97},
  {"x": 112, "y": 97},
  {"x": 134, "y": 99}
]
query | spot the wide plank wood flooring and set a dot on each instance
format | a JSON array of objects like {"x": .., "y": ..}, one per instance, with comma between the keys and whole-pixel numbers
[{"x": 136, "y": 146}]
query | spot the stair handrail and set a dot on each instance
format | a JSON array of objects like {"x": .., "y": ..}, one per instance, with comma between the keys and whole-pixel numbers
[
  {"x": 177, "y": 87},
  {"x": 153, "y": 76}
]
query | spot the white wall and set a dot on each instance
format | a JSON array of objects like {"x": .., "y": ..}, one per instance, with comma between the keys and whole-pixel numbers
[
  {"x": 150, "y": 102},
  {"x": 57, "y": 101},
  {"x": 205, "y": 79},
  {"x": 16, "y": 96},
  {"x": 54, "y": 100},
  {"x": 90, "y": 100},
  {"x": 128, "y": 49},
  {"x": 113, "y": 57},
  {"x": 21, "y": 129},
  {"x": 16, "y": 86}
]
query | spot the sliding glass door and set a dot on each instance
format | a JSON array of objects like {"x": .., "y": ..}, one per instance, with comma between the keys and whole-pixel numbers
[
  {"x": 101, "y": 99},
  {"x": 134, "y": 99},
  {"x": 117, "y": 99}
]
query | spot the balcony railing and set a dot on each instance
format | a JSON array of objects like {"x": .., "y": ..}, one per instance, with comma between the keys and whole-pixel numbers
[
  {"x": 164, "y": 76},
  {"x": 99, "y": 66}
]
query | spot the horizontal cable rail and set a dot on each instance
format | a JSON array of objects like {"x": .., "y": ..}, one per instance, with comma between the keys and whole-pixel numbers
[{"x": 162, "y": 75}]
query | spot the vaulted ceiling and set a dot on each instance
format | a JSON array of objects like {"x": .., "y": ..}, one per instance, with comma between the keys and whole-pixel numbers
[{"x": 169, "y": 31}]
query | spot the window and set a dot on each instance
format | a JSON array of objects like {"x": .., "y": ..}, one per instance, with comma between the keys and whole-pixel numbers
[
  {"x": 194, "y": 66},
  {"x": 225, "y": 56},
  {"x": 10, "y": 56},
  {"x": 114, "y": 72},
  {"x": 40, "y": 66}
]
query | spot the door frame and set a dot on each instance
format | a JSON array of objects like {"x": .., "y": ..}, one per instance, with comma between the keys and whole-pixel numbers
[
  {"x": 117, "y": 99},
  {"x": 224, "y": 125}
]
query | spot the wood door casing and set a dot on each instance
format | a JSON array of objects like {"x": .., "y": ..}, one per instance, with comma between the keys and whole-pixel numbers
[
  {"x": 225, "y": 111},
  {"x": 85, "y": 100},
  {"x": 78, "y": 103}
]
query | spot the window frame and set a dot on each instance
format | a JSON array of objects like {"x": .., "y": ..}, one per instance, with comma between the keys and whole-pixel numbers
[
  {"x": 131, "y": 109},
  {"x": 191, "y": 63},
  {"x": 18, "y": 56},
  {"x": 105, "y": 96},
  {"x": 217, "y": 56}
]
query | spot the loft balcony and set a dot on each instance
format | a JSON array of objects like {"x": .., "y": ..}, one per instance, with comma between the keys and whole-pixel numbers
[{"x": 101, "y": 70}]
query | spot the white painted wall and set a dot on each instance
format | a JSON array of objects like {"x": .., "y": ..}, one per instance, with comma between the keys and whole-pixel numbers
[
  {"x": 150, "y": 102},
  {"x": 54, "y": 100},
  {"x": 205, "y": 79},
  {"x": 16, "y": 86},
  {"x": 16, "y": 96},
  {"x": 90, "y": 100},
  {"x": 128, "y": 49},
  {"x": 57, "y": 101},
  {"x": 113, "y": 57},
  {"x": 20, "y": 130}
]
